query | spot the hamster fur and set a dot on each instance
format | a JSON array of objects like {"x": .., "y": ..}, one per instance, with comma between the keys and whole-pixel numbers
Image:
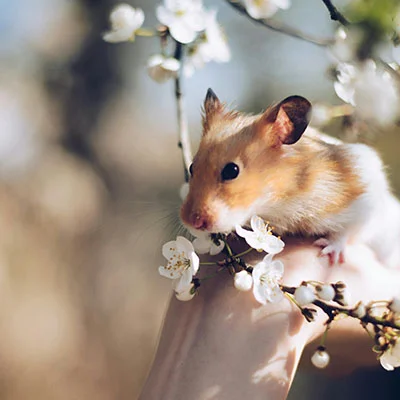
[{"x": 302, "y": 182}]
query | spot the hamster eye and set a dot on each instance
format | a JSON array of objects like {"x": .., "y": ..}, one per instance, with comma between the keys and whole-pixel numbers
[
  {"x": 191, "y": 169},
  {"x": 230, "y": 171}
]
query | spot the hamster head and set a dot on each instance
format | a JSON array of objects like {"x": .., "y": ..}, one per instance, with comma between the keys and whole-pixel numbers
[{"x": 242, "y": 166}]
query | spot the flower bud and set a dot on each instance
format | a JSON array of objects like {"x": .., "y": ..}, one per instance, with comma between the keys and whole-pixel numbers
[
  {"x": 243, "y": 281},
  {"x": 342, "y": 298},
  {"x": 125, "y": 21},
  {"x": 320, "y": 358},
  {"x": 360, "y": 311},
  {"x": 308, "y": 314},
  {"x": 304, "y": 295},
  {"x": 161, "y": 69},
  {"x": 339, "y": 286},
  {"x": 326, "y": 292}
]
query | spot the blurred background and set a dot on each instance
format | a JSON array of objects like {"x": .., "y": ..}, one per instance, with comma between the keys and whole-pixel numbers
[{"x": 89, "y": 188}]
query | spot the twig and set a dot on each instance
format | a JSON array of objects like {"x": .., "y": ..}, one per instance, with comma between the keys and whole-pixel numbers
[
  {"x": 336, "y": 15},
  {"x": 183, "y": 126},
  {"x": 280, "y": 27},
  {"x": 331, "y": 311}
]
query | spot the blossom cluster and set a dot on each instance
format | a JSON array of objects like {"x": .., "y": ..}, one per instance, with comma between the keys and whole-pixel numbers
[
  {"x": 265, "y": 277},
  {"x": 187, "y": 23},
  {"x": 369, "y": 88}
]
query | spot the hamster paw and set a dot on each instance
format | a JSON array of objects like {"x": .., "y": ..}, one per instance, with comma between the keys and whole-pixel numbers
[{"x": 333, "y": 249}]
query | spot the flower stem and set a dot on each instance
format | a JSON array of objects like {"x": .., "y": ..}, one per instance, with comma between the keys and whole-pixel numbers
[
  {"x": 292, "y": 299},
  {"x": 228, "y": 248},
  {"x": 243, "y": 253},
  {"x": 280, "y": 27},
  {"x": 146, "y": 32},
  {"x": 334, "y": 13},
  {"x": 183, "y": 126},
  {"x": 332, "y": 310},
  {"x": 325, "y": 335}
]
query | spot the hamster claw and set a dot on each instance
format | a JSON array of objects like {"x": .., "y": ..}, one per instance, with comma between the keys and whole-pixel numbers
[{"x": 333, "y": 249}]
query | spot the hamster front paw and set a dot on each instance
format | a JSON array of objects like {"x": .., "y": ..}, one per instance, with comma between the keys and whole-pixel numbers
[{"x": 332, "y": 248}]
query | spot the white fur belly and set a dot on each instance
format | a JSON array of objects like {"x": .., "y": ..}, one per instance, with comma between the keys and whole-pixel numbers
[{"x": 376, "y": 214}]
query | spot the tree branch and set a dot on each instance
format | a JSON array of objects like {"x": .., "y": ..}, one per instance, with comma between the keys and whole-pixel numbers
[
  {"x": 183, "y": 128},
  {"x": 336, "y": 15},
  {"x": 330, "y": 309},
  {"x": 280, "y": 27}
]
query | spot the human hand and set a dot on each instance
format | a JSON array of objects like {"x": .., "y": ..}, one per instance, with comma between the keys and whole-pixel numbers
[{"x": 225, "y": 345}]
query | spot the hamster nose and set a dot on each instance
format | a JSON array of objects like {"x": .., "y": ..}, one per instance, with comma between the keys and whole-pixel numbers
[{"x": 199, "y": 221}]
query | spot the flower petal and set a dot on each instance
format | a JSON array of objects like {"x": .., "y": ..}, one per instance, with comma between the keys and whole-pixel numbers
[
  {"x": 273, "y": 244},
  {"x": 258, "y": 225},
  {"x": 165, "y": 16},
  {"x": 183, "y": 283},
  {"x": 169, "y": 250},
  {"x": 277, "y": 267},
  {"x": 155, "y": 60},
  {"x": 259, "y": 292},
  {"x": 194, "y": 263},
  {"x": 184, "y": 245},
  {"x": 182, "y": 33},
  {"x": 242, "y": 232},
  {"x": 121, "y": 35},
  {"x": 386, "y": 362},
  {"x": 275, "y": 294},
  {"x": 259, "y": 269},
  {"x": 201, "y": 245},
  {"x": 169, "y": 273}
]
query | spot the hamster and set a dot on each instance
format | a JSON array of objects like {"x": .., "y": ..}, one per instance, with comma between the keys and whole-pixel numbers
[{"x": 274, "y": 166}]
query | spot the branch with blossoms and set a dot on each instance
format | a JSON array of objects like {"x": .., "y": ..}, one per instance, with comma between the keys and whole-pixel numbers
[
  {"x": 380, "y": 319},
  {"x": 196, "y": 38},
  {"x": 365, "y": 54},
  {"x": 366, "y": 61}
]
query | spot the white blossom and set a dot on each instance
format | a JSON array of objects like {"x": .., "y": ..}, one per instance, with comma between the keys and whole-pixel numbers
[
  {"x": 326, "y": 292},
  {"x": 243, "y": 281},
  {"x": 186, "y": 294},
  {"x": 125, "y": 21},
  {"x": 161, "y": 68},
  {"x": 346, "y": 43},
  {"x": 267, "y": 276},
  {"x": 304, "y": 295},
  {"x": 371, "y": 90},
  {"x": 390, "y": 359},
  {"x": 261, "y": 238},
  {"x": 204, "y": 244},
  {"x": 260, "y": 9},
  {"x": 212, "y": 47},
  {"x": 184, "y": 18},
  {"x": 321, "y": 115},
  {"x": 182, "y": 264},
  {"x": 320, "y": 358}
]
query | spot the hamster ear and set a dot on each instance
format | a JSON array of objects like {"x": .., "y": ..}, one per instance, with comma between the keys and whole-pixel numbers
[
  {"x": 212, "y": 109},
  {"x": 289, "y": 119}
]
